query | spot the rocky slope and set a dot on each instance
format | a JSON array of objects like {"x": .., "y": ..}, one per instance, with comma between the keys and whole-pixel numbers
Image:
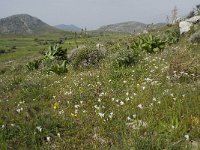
[
  {"x": 24, "y": 24},
  {"x": 69, "y": 28},
  {"x": 129, "y": 27}
]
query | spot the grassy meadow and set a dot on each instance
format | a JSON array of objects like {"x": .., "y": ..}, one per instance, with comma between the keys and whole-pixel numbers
[{"x": 128, "y": 99}]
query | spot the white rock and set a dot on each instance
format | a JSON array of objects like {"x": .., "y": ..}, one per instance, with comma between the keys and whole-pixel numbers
[
  {"x": 194, "y": 19},
  {"x": 185, "y": 26}
]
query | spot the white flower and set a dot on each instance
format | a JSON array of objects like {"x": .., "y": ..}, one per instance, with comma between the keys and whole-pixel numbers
[
  {"x": 140, "y": 106},
  {"x": 143, "y": 88},
  {"x": 124, "y": 81},
  {"x": 187, "y": 137},
  {"x": 154, "y": 99},
  {"x": 128, "y": 118},
  {"x": 121, "y": 103},
  {"x": 101, "y": 115},
  {"x": 99, "y": 100},
  {"x": 110, "y": 115},
  {"x": 127, "y": 93},
  {"x": 39, "y": 128},
  {"x": 48, "y": 138},
  {"x": 58, "y": 134},
  {"x": 3, "y": 126}
]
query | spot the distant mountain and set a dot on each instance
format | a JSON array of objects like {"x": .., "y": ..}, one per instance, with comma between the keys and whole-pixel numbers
[
  {"x": 24, "y": 24},
  {"x": 71, "y": 27},
  {"x": 129, "y": 27}
]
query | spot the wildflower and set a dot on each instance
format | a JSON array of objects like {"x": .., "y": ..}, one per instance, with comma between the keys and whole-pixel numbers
[
  {"x": 121, "y": 103},
  {"x": 110, "y": 115},
  {"x": 39, "y": 128},
  {"x": 128, "y": 118},
  {"x": 58, "y": 134},
  {"x": 73, "y": 115},
  {"x": 3, "y": 126},
  {"x": 195, "y": 120},
  {"x": 124, "y": 81},
  {"x": 56, "y": 105},
  {"x": 48, "y": 138},
  {"x": 143, "y": 88},
  {"x": 187, "y": 137},
  {"x": 101, "y": 115},
  {"x": 140, "y": 106}
]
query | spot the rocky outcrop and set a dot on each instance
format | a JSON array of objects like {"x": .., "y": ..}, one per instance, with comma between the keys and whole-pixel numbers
[{"x": 186, "y": 25}]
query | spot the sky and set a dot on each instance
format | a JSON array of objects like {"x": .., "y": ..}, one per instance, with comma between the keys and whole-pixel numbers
[{"x": 95, "y": 13}]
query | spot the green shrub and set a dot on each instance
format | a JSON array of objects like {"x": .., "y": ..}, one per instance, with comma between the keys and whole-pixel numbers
[
  {"x": 148, "y": 43},
  {"x": 87, "y": 56},
  {"x": 33, "y": 65},
  {"x": 127, "y": 57},
  {"x": 56, "y": 52},
  {"x": 60, "y": 69},
  {"x": 195, "y": 38},
  {"x": 172, "y": 36}
]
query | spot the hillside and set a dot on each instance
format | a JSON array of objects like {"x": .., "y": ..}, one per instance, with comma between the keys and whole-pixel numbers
[
  {"x": 129, "y": 27},
  {"x": 69, "y": 28},
  {"x": 24, "y": 24}
]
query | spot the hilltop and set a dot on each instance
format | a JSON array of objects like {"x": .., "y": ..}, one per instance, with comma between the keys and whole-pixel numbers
[
  {"x": 24, "y": 24},
  {"x": 129, "y": 27},
  {"x": 69, "y": 28}
]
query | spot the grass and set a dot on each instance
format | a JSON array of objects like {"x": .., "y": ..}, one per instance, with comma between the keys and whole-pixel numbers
[{"x": 145, "y": 106}]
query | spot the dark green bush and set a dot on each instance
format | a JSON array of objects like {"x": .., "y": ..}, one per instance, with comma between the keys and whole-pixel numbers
[
  {"x": 60, "y": 69},
  {"x": 148, "y": 43},
  {"x": 87, "y": 56},
  {"x": 33, "y": 65},
  {"x": 56, "y": 52},
  {"x": 127, "y": 57},
  {"x": 172, "y": 36}
]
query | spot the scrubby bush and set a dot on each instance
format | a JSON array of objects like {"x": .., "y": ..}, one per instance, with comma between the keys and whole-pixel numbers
[
  {"x": 127, "y": 57},
  {"x": 33, "y": 65},
  {"x": 87, "y": 56},
  {"x": 59, "y": 69},
  {"x": 195, "y": 38},
  {"x": 148, "y": 43},
  {"x": 56, "y": 52},
  {"x": 172, "y": 36}
]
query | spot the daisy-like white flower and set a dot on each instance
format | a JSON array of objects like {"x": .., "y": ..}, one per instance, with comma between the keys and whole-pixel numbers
[
  {"x": 48, "y": 138},
  {"x": 39, "y": 128},
  {"x": 140, "y": 106},
  {"x": 187, "y": 137},
  {"x": 101, "y": 115}
]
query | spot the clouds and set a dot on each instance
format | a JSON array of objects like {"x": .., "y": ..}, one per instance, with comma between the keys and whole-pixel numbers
[{"x": 93, "y": 13}]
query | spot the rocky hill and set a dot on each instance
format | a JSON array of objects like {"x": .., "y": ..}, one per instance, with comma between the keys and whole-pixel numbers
[
  {"x": 24, "y": 24},
  {"x": 71, "y": 27},
  {"x": 129, "y": 27}
]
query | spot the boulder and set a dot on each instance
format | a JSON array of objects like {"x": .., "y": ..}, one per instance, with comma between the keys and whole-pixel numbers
[
  {"x": 194, "y": 19},
  {"x": 185, "y": 26}
]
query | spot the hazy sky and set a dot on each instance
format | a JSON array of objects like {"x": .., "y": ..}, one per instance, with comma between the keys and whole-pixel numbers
[{"x": 94, "y": 13}]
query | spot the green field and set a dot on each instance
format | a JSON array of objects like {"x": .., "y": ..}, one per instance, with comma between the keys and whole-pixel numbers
[{"x": 147, "y": 101}]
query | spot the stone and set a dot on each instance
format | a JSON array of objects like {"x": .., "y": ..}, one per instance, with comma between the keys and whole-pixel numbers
[{"x": 185, "y": 26}]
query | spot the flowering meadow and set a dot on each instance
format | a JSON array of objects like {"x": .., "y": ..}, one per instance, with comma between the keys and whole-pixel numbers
[{"x": 152, "y": 104}]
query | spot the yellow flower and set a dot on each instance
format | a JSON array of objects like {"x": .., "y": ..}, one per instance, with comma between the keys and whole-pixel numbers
[
  {"x": 195, "y": 120},
  {"x": 56, "y": 105},
  {"x": 73, "y": 115}
]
